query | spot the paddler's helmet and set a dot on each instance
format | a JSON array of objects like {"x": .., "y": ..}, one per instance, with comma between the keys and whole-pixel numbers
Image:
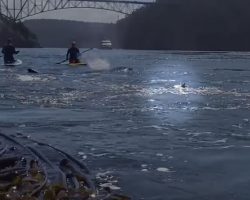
[{"x": 73, "y": 43}]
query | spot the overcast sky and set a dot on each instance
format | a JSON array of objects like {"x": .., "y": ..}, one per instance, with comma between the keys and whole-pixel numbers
[{"x": 83, "y": 14}]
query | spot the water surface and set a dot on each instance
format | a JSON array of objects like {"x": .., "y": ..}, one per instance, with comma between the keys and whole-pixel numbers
[{"x": 155, "y": 139}]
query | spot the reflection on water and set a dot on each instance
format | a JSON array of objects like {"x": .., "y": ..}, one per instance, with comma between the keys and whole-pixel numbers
[{"x": 127, "y": 116}]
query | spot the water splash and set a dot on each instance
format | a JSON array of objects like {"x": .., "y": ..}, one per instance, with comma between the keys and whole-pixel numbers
[{"x": 98, "y": 64}]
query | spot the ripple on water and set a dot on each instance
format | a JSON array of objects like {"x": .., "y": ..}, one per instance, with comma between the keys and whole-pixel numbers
[
  {"x": 144, "y": 113},
  {"x": 163, "y": 169},
  {"x": 35, "y": 78}
]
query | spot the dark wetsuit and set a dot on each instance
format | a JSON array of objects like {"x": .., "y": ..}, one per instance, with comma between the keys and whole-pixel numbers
[
  {"x": 8, "y": 52},
  {"x": 73, "y": 54}
]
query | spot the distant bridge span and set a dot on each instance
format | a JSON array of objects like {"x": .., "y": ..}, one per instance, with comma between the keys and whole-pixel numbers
[{"x": 21, "y": 9}]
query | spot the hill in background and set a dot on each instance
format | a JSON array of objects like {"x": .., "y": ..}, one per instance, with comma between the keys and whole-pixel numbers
[
  {"x": 188, "y": 25},
  {"x": 60, "y": 33}
]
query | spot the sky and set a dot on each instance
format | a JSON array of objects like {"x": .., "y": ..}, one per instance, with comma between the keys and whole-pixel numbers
[
  {"x": 83, "y": 14},
  {"x": 78, "y": 14}
]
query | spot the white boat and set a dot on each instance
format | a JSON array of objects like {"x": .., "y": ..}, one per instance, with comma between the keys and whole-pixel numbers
[{"x": 106, "y": 44}]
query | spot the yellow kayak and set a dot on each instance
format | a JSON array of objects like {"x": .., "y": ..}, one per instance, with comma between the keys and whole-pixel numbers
[{"x": 74, "y": 64}]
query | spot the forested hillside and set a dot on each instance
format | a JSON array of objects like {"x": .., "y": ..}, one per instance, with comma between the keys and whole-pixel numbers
[
  {"x": 21, "y": 35},
  {"x": 60, "y": 33},
  {"x": 188, "y": 25}
]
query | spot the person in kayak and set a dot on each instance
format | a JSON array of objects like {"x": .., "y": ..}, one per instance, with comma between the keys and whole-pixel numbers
[
  {"x": 8, "y": 51},
  {"x": 73, "y": 54}
]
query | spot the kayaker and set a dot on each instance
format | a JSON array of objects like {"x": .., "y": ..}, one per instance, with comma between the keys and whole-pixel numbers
[
  {"x": 73, "y": 53},
  {"x": 8, "y": 51}
]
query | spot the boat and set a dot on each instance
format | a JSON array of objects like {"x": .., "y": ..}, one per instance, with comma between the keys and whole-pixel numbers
[{"x": 106, "y": 44}]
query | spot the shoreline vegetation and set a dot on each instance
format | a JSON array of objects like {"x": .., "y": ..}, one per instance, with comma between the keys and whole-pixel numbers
[
  {"x": 205, "y": 25},
  {"x": 20, "y": 34}
]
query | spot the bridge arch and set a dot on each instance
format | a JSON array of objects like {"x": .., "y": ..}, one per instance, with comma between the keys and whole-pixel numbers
[{"x": 21, "y": 9}]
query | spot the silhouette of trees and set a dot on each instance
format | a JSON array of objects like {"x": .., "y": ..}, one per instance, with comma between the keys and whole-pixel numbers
[
  {"x": 188, "y": 25},
  {"x": 20, "y": 35}
]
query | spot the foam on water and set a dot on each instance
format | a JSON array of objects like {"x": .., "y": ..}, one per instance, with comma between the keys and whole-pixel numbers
[
  {"x": 163, "y": 169},
  {"x": 195, "y": 134},
  {"x": 161, "y": 81},
  {"x": 98, "y": 64},
  {"x": 106, "y": 179},
  {"x": 144, "y": 165},
  {"x": 7, "y": 69},
  {"x": 29, "y": 78},
  {"x": 224, "y": 140},
  {"x": 110, "y": 185},
  {"x": 81, "y": 153}
]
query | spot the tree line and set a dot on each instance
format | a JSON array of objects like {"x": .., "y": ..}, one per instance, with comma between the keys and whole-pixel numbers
[
  {"x": 188, "y": 25},
  {"x": 21, "y": 36}
]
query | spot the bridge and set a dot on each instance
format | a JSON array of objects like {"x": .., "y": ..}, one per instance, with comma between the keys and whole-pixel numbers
[{"x": 21, "y": 9}]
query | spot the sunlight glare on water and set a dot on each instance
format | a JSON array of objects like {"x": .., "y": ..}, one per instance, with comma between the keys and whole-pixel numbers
[{"x": 127, "y": 116}]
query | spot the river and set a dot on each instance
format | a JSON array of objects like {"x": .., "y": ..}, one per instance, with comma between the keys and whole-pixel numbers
[{"x": 126, "y": 115}]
